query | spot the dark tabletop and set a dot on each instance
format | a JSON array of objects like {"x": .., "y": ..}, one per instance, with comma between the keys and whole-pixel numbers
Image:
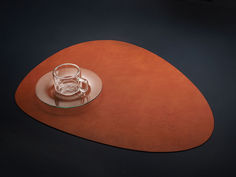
[{"x": 196, "y": 36}]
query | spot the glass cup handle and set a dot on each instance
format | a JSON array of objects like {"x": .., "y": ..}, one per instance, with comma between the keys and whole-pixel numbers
[{"x": 83, "y": 85}]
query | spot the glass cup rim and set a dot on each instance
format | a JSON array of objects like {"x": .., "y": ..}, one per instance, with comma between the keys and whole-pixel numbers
[{"x": 70, "y": 64}]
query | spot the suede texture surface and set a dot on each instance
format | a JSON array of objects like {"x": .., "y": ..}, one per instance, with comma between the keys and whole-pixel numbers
[{"x": 146, "y": 104}]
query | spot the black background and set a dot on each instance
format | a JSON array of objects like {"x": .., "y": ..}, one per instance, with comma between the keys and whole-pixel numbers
[{"x": 196, "y": 36}]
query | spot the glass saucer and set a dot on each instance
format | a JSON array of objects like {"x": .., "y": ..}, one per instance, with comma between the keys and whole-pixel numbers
[{"x": 46, "y": 93}]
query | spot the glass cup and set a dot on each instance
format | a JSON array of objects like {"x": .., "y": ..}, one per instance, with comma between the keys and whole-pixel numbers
[{"x": 68, "y": 81}]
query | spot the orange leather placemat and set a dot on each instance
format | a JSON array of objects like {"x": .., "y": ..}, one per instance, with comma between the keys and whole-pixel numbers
[{"x": 146, "y": 104}]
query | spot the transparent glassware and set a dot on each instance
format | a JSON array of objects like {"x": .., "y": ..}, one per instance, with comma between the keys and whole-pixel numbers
[
  {"x": 67, "y": 80},
  {"x": 78, "y": 93}
]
